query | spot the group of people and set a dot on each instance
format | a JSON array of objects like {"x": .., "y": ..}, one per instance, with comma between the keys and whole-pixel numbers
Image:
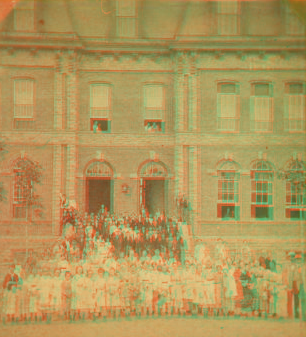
[
  {"x": 51, "y": 286},
  {"x": 153, "y": 127},
  {"x": 84, "y": 234}
]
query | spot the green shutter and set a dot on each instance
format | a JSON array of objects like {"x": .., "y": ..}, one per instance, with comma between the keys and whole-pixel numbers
[
  {"x": 237, "y": 213},
  {"x": 270, "y": 213},
  {"x": 252, "y": 113},
  {"x": 219, "y": 111},
  {"x": 236, "y": 190},
  {"x": 286, "y": 113}
]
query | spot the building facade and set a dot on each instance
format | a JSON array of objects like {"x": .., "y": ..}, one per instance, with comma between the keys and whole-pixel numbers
[{"x": 130, "y": 103}]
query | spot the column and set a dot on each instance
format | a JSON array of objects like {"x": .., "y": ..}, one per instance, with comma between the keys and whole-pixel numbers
[
  {"x": 194, "y": 187},
  {"x": 58, "y": 95},
  {"x": 57, "y": 181},
  {"x": 71, "y": 180},
  {"x": 72, "y": 94},
  {"x": 193, "y": 111},
  {"x": 179, "y": 170}
]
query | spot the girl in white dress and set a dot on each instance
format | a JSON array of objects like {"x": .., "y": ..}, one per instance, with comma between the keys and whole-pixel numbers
[
  {"x": 100, "y": 286},
  {"x": 77, "y": 293},
  {"x": 56, "y": 293},
  {"x": 89, "y": 294},
  {"x": 114, "y": 293}
]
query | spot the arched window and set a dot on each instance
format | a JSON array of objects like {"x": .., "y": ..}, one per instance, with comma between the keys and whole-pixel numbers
[
  {"x": 153, "y": 169},
  {"x": 262, "y": 190},
  {"x": 228, "y": 191},
  {"x": 22, "y": 189},
  {"x": 295, "y": 190},
  {"x": 99, "y": 169}
]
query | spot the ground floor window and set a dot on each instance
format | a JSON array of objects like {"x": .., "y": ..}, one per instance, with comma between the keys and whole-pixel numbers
[{"x": 100, "y": 125}]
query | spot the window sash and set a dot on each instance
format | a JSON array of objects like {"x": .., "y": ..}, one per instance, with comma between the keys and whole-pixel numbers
[
  {"x": 263, "y": 113},
  {"x": 228, "y": 187},
  {"x": 293, "y": 24},
  {"x": 228, "y": 105},
  {"x": 295, "y": 194},
  {"x": 24, "y": 20},
  {"x": 228, "y": 24},
  {"x": 23, "y": 98},
  {"x": 262, "y": 190},
  {"x": 154, "y": 97},
  {"x": 100, "y": 101},
  {"x": 126, "y": 8},
  {"x": 126, "y": 27}
]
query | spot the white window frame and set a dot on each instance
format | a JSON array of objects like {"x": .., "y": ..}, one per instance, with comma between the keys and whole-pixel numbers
[
  {"x": 27, "y": 9},
  {"x": 105, "y": 111},
  {"x": 260, "y": 100},
  {"x": 126, "y": 22},
  {"x": 224, "y": 122},
  {"x": 289, "y": 99},
  {"x": 225, "y": 16},
  {"x": 27, "y": 103}
]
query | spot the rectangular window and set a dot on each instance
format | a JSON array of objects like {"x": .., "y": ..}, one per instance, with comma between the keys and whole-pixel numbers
[
  {"x": 126, "y": 19},
  {"x": 261, "y": 108},
  {"x": 24, "y": 16},
  {"x": 295, "y": 200},
  {"x": 228, "y": 17},
  {"x": 100, "y": 107},
  {"x": 24, "y": 99},
  {"x": 154, "y": 108},
  {"x": 262, "y": 195},
  {"x": 295, "y": 107},
  {"x": 293, "y": 24},
  {"x": 228, "y": 196},
  {"x": 228, "y": 105}
]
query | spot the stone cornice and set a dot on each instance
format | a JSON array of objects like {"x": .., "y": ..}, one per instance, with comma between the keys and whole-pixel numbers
[{"x": 44, "y": 138}]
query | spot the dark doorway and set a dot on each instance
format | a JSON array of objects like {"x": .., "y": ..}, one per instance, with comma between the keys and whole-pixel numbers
[
  {"x": 154, "y": 195},
  {"x": 99, "y": 192}
]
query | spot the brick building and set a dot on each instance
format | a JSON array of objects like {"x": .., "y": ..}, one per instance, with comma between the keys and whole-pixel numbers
[{"x": 133, "y": 102}]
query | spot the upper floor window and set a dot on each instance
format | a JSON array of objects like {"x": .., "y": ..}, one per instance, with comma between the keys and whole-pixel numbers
[
  {"x": 154, "y": 108},
  {"x": 100, "y": 107},
  {"x": 126, "y": 18},
  {"x": 295, "y": 191},
  {"x": 293, "y": 24},
  {"x": 262, "y": 190},
  {"x": 228, "y": 107},
  {"x": 24, "y": 16},
  {"x": 228, "y": 207},
  {"x": 24, "y": 99},
  {"x": 295, "y": 107},
  {"x": 228, "y": 17},
  {"x": 261, "y": 107}
]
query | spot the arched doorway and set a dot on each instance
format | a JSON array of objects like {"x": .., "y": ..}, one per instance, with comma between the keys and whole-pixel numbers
[
  {"x": 153, "y": 187},
  {"x": 99, "y": 186}
]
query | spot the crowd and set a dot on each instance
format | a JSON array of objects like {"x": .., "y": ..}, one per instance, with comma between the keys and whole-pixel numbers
[
  {"x": 83, "y": 233},
  {"x": 94, "y": 277}
]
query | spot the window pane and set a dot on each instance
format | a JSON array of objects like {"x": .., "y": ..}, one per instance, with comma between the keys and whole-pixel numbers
[
  {"x": 262, "y": 90},
  {"x": 126, "y": 27},
  {"x": 24, "y": 20},
  {"x": 228, "y": 24},
  {"x": 154, "y": 97},
  {"x": 296, "y": 88},
  {"x": 100, "y": 96},
  {"x": 228, "y": 106},
  {"x": 296, "y": 107},
  {"x": 228, "y": 88},
  {"x": 126, "y": 8},
  {"x": 262, "y": 109},
  {"x": 228, "y": 7}
]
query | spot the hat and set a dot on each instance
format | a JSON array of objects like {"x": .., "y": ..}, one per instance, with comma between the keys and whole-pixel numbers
[{"x": 291, "y": 254}]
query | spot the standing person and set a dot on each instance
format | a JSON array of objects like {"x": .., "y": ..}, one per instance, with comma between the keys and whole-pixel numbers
[
  {"x": 10, "y": 284},
  {"x": 66, "y": 289},
  {"x": 230, "y": 290},
  {"x": 89, "y": 294},
  {"x": 77, "y": 293},
  {"x": 101, "y": 293},
  {"x": 239, "y": 297},
  {"x": 56, "y": 293},
  {"x": 33, "y": 285},
  {"x": 114, "y": 293}
]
